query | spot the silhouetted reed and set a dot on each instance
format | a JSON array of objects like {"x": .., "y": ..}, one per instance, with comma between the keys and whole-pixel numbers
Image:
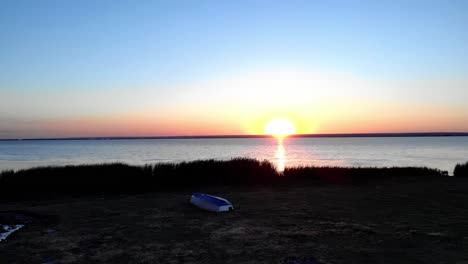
[
  {"x": 118, "y": 178},
  {"x": 352, "y": 175},
  {"x": 461, "y": 170}
]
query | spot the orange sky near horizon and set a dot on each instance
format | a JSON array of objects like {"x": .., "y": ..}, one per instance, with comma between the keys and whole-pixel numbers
[
  {"x": 316, "y": 102},
  {"x": 370, "y": 118}
]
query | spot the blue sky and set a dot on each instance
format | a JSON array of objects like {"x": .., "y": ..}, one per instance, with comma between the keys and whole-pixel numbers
[{"x": 59, "y": 50}]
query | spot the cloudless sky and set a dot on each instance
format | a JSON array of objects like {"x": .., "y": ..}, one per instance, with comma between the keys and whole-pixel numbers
[{"x": 142, "y": 68}]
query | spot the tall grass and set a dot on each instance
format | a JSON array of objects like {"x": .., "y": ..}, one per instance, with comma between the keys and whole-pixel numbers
[
  {"x": 347, "y": 175},
  {"x": 461, "y": 170},
  {"x": 118, "y": 177}
]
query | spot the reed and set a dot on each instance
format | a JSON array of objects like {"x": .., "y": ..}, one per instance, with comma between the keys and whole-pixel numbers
[
  {"x": 118, "y": 177},
  {"x": 461, "y": 170},
  {"x": 346, "y": 175}
]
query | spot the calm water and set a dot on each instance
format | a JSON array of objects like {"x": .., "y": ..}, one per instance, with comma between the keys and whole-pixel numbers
[{"x": 434, "y": 152}]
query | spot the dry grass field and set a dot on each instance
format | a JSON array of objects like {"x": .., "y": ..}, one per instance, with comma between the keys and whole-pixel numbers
[{"x": 392, "y": 222}]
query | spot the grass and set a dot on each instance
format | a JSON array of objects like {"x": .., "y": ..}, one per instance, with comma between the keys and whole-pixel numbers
[
  {"x": 461, "y": 170},
  {"x": 346, "y": 175},
  {"x": 118, "y": 177},
  {"x": 408, "y": 222},
  {"x": 304, "y": 213}
]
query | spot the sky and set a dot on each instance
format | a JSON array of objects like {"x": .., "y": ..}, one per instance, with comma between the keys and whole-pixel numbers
[{"x": 160, "y": 68}]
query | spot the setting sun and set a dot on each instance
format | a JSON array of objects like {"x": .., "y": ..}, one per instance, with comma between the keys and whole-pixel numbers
[{"x": 280, "y": 128}]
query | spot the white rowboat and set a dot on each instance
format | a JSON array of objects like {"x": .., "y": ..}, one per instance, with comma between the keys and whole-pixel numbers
[{"x": 211, "y": 203}]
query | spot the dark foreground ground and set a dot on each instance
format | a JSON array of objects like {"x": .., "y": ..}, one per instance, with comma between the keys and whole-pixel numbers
[{"x": 397, "y": 222}]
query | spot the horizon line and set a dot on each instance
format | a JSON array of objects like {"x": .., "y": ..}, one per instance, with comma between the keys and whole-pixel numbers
[{"x": 320, "y": 135}]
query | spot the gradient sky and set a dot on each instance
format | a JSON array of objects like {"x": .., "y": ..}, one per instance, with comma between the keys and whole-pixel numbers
[{"x": 148, "y": 68}]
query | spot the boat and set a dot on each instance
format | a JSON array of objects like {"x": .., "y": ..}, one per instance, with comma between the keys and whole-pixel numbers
[{"x": 211, "y": 203}]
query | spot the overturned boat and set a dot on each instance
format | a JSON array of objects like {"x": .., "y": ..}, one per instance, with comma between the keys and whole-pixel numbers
[{"x": 211, "y": 203}]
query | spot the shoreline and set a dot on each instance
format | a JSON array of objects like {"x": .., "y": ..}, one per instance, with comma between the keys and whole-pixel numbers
[{"x": 328, "y": 135}]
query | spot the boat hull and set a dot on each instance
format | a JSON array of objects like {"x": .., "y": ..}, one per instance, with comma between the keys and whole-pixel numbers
[{"x": 211, "y": 203}]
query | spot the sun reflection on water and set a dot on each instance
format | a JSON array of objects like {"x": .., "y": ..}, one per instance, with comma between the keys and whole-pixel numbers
[{"x": 280, "y": 156}]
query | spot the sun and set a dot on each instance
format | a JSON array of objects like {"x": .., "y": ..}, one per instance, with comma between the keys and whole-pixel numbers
[{"x": 280, "y": 128}]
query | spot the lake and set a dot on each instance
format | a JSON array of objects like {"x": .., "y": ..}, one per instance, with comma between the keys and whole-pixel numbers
[{"x": 434, "y": 152}]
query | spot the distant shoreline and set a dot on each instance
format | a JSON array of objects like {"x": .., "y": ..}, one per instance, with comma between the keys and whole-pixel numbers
[{"x": 338, "y": 135}]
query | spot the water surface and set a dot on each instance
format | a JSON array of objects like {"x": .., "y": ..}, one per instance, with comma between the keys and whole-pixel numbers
[{"x": 435, "y": 152}]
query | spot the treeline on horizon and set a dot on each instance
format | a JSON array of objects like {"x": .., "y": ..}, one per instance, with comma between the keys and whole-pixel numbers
[{"x": 118, "y": 177}]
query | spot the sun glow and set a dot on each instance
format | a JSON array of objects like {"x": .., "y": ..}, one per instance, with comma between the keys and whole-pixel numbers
[{"x": 280, "y": 128}]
